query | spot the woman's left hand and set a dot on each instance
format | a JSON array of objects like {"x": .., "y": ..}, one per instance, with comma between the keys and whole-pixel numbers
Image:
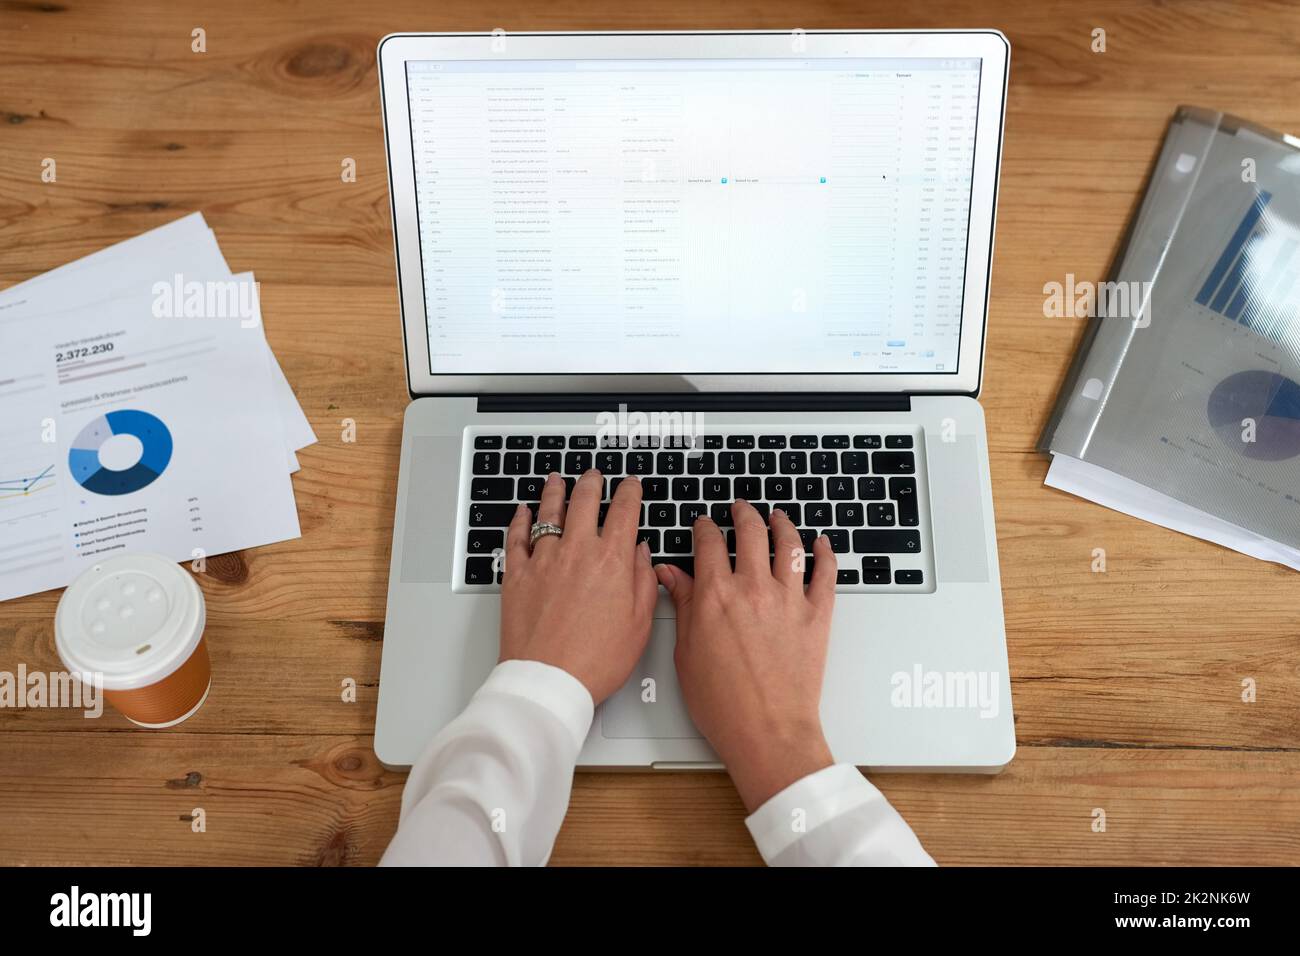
[{"x": 582, "y": 601}]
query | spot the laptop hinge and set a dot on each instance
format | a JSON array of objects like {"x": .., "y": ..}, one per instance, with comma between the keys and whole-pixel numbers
[{"x": 699, "y": 402}]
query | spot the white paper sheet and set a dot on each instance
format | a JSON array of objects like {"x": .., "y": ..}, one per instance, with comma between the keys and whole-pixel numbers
[
  {"x": 124, "y": 431},
  {"x": 1131, "y": 498},
  {"x": 185, "y": 247}
]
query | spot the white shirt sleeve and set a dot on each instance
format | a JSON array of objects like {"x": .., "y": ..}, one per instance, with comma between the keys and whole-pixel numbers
[
  {"x": 834, "y": 817},
  {"x": 493, "y": 786}
]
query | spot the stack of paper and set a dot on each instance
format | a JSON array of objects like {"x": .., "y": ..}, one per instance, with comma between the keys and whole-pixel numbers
[
  {"x": 1183, "y": 404},
  {"x": 141, "y": 409}
]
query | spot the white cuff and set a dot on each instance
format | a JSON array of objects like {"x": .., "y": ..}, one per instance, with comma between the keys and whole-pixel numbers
[
  {"x": 548, "y": 686},
  {"x": 806, "y": 804}
]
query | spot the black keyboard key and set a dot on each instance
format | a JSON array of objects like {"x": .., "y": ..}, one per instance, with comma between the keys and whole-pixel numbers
[
  {"x": 545, "y": 462},
  {"x": 518, "y": 463},
  {"x": 875, "y": 576},
  {"x": 492, "y": 489},
  {"x": 670, "y": 463},
  {"x": 848, "y": 514},
  {"x": 740, "y": 441},
  {"x": 484, "y": 542},
  {"x": 824, "y": 462},
  {"x": 487, "y": 462},
  {"x": 893, "y": 463},
  {"x": 794, "y": 462},
  {"x": 686, "y": 564},
  {"x": 530, "y": 488},
  {"x": 762, "y": 507},
  {"x": 550, "y": 441},
  {"x": 835, "y": 441},
  {"x": 809, "y": 489},
  {"x": 779, "y": 488},
  {"x": 876, "y": 562},
  {"x": 803, "y": 441},
  {"x": 654, "y": 489},
  {"x": 678, "y": 541},
  {"x": 644, "y": 442},
  {"x": 686, "y": 489},
  {"x": 569, "y": 483},
  {"x": 843, "y": 576},
  {"x": 762, "y": 462},
  {"x": 688, "y": 513},
  {"x": 717, "y": 489},
  {"x": 700, "y": 463},
  {"x": 711, "y": 441},
  {"x": 731, "y": 463},
  {"x": 750, "y": 489},
  {"x": 609, "y": 462},
  {"x": 721, "y": 514},
  {"x": 582, "y": 441},
  {"x": 808, "y": 564},
  {"x": 640, "y": 463},
  {"x": 650, "y": 537},
  {"x": 771, "y": 441},
  {"x": 661, "y": 514},
  {"x": 818, "y": 514},
  {"x": 576, "y": 462},
  {"x": 909, "y": 576},
  {"x": 880, "y": 514},
  {"x": 898, "y": 441},
  {"x": 871, "y": 489},
  {"x": 613, "y": 441},
  {"x": 903, "y": 491},
  {"x": 839, "y": 488},
  {"x": 854, "y": 463},
  {"x": 600, "y": 515},
  {"x": 490, "y": 516},
  {"x": 792, "y": 509},
  {"x": 807, "y": 536},
  {"x": 487, "y": 441},
  {"x": 479, "y": 571},
  {"x": 887, "y": 542},
  {"x": 519, "y": 441},
  {"x": 866, "y": 441},
  {"x": 839, "y": 539}
]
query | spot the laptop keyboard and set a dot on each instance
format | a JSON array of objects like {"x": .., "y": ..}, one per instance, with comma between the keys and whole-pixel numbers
[{"x": 861, "y": 489}]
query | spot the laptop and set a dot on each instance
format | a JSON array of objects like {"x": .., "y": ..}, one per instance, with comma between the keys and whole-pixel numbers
[{"x": 739, "y": 265}]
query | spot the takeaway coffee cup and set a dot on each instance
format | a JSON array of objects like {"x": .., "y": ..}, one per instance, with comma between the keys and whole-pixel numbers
[{"x": 135, "y": 621}]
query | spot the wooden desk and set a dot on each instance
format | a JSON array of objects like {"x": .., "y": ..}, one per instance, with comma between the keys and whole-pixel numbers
[{"x": 1127, "y": 684}]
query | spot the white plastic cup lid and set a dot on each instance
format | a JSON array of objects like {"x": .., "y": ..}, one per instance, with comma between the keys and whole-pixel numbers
[{"x": 134, "y": 618}]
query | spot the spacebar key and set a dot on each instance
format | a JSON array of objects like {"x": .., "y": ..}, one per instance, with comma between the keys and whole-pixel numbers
[
  {"x": 491, "y": 516},
  {"x": 887, "y": 542}
]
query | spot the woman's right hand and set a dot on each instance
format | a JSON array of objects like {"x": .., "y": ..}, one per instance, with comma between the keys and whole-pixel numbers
[{"x": 751, "y": 649}]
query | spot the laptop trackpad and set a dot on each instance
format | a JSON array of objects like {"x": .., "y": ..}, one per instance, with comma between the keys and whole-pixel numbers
[{"x": 650, "y": 704}]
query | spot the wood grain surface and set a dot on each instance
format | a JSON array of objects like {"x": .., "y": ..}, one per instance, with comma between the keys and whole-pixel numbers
[{"x": 1127, "y": 684}]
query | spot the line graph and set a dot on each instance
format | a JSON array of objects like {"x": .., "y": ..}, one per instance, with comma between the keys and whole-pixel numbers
[{"x": 20, "y": 487}]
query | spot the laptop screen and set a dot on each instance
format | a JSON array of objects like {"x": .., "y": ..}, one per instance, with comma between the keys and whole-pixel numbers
[{"x": 693, "y": 216}]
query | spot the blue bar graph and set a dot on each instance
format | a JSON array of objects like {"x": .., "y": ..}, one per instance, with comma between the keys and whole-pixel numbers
[{"x": 1231, "y": 257}]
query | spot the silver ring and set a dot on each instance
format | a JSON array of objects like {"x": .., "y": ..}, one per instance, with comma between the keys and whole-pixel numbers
[{"x": 540, "y": 530}]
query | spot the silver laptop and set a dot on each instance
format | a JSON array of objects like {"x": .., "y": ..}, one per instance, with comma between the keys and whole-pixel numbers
[{"x": 737, "y": 264}]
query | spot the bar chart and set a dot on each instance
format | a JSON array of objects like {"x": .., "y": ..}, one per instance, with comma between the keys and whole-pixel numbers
[{"x": 1255, "y": 281}]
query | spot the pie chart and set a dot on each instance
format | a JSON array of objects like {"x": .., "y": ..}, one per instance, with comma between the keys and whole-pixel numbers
[
  {"x": 90, "y": 471},
  {"x": 1271, "y": 401}
]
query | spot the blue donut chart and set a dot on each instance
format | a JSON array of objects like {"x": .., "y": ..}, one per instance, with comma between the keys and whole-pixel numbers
[
  {"x": 156, "y": 452},
  {"x": 1271, "y": 401}
]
